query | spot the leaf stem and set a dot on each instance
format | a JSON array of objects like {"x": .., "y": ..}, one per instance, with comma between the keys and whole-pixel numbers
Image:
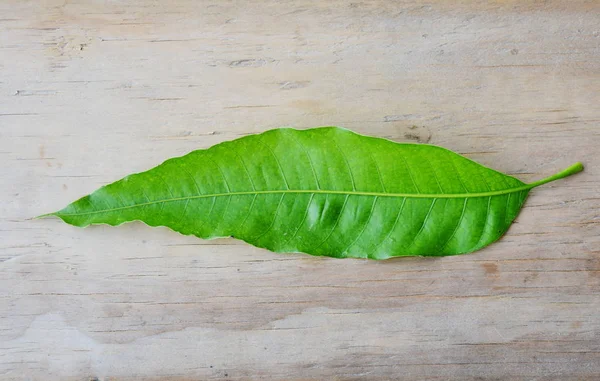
[{"x": 575, "y": 168}]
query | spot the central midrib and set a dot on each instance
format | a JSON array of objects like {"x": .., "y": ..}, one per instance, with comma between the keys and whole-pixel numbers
[{"x": 320, "y": 191}]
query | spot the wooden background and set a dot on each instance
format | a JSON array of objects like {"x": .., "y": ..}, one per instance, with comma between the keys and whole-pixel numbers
[{"x": 91, "y": 91}]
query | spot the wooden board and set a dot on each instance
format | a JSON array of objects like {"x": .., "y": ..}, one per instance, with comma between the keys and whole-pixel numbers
[{"x": 92, "y": 91}]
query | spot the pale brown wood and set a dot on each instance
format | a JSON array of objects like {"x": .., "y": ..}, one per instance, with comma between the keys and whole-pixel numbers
[{"x": 92, "y": 91}]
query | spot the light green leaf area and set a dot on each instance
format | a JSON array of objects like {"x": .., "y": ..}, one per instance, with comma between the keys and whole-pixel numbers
[{"x": 323, "y": 191}]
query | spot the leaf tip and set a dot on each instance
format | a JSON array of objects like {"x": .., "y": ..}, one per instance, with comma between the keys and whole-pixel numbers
[{"x": 43, "y": 216}]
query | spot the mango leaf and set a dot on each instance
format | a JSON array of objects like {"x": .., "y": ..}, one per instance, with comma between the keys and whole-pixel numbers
[{"x": 323, "y": 191}]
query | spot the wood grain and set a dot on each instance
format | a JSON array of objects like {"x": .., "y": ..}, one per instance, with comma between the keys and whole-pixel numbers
[{"x": 91, "y": 91}]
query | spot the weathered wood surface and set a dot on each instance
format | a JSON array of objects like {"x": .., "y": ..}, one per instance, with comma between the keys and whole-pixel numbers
[{"x": 92, "y": 91}]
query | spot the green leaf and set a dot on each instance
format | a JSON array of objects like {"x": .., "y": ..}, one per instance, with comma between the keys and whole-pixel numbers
[{"x": 323, "y": 191}]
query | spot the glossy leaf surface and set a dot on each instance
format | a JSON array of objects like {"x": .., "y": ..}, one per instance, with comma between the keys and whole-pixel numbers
[{"x": 323, "y": 191}]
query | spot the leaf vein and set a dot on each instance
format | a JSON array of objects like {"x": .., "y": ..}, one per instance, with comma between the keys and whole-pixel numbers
[
  {"x": 182, "y": 166},
  {"x": 408, "y": 170},
  {"x": 248, "y": 214},
  {"x": 272, "y": 221},
  {"x": 378, "y": 170},
  {"x": 166, "y": 184},
  {"x": 389, "y": 234},
  {"x": 347, "y": 163},
  {"x": 222, "y": 174},
  {"x": 434, "y": 174},
  {"x": 312, "y": 166},
  {"x": 462, "y": 214},
  {"x": 320, "y": 191},
  {"x": 422, "y": 225},
  {"x": 245, "y": 168},
  {"x": 485, "y": 225},
  {"x": 339, "y": 217},
  {"x": 458, "y": 176},
  {"x": 506, "y": 210},
  {"x": 287, "y": 185},
  {"x": 301, "y": 222},
  {"x": 359, "y": 235},
  {"x": 224, "y": 214}
]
